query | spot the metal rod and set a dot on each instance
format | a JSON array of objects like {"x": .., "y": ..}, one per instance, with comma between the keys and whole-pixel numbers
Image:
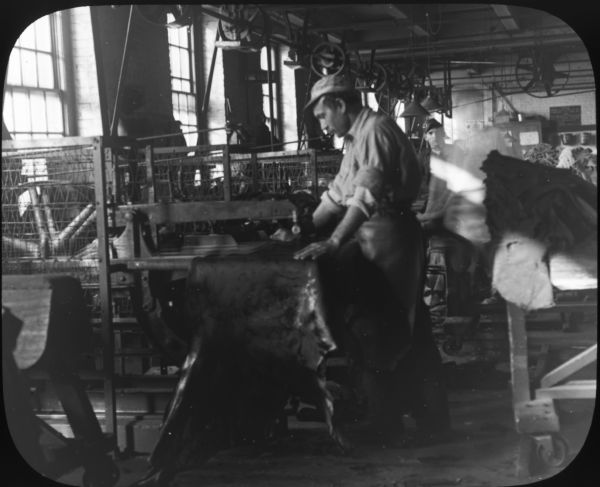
[
  {"x": 175, "y": 134},
  {"x": 113, "y": 123}
]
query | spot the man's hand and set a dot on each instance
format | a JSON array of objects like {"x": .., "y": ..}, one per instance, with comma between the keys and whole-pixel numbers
[{"x": 316, "y": 249}]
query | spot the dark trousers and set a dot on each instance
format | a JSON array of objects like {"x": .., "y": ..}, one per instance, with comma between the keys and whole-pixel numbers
[
  {"x": 400, "y": 368},
  {"x": 414, "y": 386}
]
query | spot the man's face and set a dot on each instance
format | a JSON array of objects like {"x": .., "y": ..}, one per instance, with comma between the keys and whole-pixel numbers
[
  {"x": 332, "y": 119},
  {"x": 435, "y": 138}
]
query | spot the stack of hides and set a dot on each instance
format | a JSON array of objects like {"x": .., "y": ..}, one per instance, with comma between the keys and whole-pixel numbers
[
  {"x": 535, "y": 212},
  {"x": 259, "y": 338}
]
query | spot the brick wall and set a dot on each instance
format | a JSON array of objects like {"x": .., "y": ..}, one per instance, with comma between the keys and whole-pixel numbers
[
  {"x": 475, "y": 107},
  {"x": 87, "y": 102},
  {"x": 529, "y": 105}
]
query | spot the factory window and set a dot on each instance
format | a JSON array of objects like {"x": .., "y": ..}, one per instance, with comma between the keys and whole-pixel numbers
[
  {"x": 272, "y": 119},
  {"x": 183, "y": 89},
  {"x": 35, "y": 100}
]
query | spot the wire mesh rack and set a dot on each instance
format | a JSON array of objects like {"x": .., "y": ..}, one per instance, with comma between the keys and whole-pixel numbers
[
  {"x": 47, "y": 202},
  {"x": 196, "y": 175}
]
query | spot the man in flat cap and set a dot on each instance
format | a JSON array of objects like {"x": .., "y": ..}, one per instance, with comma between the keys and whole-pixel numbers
[
  {"x": 376, "y": 252},
  {"x": 438, "y": 193}
]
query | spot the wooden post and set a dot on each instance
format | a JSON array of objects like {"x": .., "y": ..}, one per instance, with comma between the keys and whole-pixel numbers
[{"x": 519, "y": 373}]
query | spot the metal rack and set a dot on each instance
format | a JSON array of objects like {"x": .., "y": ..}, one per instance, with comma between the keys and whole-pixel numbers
[
  {"x": 85, "y": 198},
  {"x": 45, "y": 231}
]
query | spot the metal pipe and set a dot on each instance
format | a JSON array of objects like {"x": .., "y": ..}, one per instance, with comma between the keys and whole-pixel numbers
[
  {"x": 368, "y": 25},
  {"x": 30, "y": 248},
  {"x": 443, "y": 48},
  {"x": 497, "y": 36},
  {"x": 510, "y": 76},
  {"x": 39, "y": 221},
  {"x": 88, "y": 221},
  {"x": 72, "y": 227}
]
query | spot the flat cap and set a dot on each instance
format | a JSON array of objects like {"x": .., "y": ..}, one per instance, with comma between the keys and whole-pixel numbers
[
  {"x": 430, "y": 124},
  {"x": 333, "y": 83}
]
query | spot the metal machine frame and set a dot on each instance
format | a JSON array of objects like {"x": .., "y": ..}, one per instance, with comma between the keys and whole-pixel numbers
[{"x": 112, "y": 158}]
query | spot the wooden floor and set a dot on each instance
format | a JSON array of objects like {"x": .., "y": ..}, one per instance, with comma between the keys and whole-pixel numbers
[{"x": 481, "y": 451}]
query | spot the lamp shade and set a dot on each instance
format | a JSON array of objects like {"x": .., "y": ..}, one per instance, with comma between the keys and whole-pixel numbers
[
  {"x": 414, "y": 109},
  {"x": 431, "y": 104}
]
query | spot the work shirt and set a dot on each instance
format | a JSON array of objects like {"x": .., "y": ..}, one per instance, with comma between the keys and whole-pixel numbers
[
  {"x": 438, "y": 193},
  {"x": 379, "y": 172}
]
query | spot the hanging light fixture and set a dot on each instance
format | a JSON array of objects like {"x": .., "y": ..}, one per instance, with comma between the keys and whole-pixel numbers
[
  {"x": 431, "y": 104},
  {"x": 414, "y": 109}
]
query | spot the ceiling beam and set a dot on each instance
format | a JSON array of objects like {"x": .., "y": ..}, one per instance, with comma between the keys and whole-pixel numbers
[
  {"x": 506, "y": 17},
  {"x": 298, "y": 21},
  {"x": 383, "y": 40}
]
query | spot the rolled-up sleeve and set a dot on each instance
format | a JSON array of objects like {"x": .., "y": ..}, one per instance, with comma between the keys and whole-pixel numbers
[
  {"x": 364, "y": 200},
  {"x": 331, "y": 202},
  {"x": 379, "y": 166}
]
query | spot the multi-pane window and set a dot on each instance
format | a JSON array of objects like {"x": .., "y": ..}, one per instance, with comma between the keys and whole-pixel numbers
[
  {"x": 183, "y": 89},
  {"x": 34, "y": 93},
  {"x": 272, "y": 119}
]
